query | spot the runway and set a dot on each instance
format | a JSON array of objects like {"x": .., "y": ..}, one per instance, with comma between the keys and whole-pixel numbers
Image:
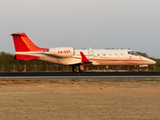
[
  {"x": 80, "y": 76},
  {"x": 3, "y": 74}
]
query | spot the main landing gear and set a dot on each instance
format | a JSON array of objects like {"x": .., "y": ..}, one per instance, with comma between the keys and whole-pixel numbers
[{"x": 81, "y": 68}]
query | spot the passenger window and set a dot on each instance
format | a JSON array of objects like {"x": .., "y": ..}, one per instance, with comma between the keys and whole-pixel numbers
[
  {"x": 98, "y": 54},
  {"x": 104, "y": 54},
  {"x": 129, "y": 52}
]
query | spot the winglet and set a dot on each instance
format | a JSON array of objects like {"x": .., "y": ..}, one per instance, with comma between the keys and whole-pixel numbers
[{"x": 84, "y": 59}]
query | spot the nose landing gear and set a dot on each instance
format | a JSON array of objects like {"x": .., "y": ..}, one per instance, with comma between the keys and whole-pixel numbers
[
  {"x": 142, "y": 69},
  {"x": 139, "y": 69}
]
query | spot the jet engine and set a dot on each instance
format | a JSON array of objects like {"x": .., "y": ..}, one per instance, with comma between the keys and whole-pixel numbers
[{"x": 61, "y": 52}]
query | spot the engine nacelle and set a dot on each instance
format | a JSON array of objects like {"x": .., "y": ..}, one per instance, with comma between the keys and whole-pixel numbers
[{"x": 61, "y": 52}]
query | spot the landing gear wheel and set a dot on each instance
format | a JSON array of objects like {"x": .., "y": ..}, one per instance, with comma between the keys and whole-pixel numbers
[
  {"x": 74, "y": 69},
  {"x": 80, "y": 70},
  {"x": 140, "y": 69}
]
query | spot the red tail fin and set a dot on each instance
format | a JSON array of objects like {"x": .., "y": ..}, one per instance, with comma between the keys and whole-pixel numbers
[{"x": 23, "y": 43}]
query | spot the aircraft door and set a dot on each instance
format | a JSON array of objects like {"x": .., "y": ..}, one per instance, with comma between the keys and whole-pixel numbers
[
  {"x": 140, "y": 57},
  {"x": 91, "y": 54}
]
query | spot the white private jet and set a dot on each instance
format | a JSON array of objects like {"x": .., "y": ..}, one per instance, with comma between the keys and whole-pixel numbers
[{"x": 27, "y": 50}]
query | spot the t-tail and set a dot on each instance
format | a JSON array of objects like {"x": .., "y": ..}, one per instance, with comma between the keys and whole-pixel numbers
[{"x": 24, "y": 44}]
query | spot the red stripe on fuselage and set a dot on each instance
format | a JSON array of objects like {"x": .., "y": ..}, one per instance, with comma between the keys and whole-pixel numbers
[{"x": 109, "y": 60}]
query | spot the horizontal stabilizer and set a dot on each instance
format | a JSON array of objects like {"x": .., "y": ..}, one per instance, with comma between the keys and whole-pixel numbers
[
  {"x": 17, "y": 34},
  {"x": 84, "y": 59},
  {"x": 26, "y": 57}
]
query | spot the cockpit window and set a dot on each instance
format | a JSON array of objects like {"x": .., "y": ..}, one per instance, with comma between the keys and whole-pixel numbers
[
  {"x": 136, "y": 54},
  {"x": 132, "y": 53}
]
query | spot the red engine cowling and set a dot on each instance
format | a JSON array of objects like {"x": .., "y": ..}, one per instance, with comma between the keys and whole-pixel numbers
[{"x": 61, "y": 52}]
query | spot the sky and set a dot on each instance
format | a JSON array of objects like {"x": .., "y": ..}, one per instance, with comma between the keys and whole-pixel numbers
[{"x": 98, "y": 24}]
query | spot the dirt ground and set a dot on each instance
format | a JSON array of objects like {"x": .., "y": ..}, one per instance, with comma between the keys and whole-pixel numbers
[{"x": 80, "y": 100}]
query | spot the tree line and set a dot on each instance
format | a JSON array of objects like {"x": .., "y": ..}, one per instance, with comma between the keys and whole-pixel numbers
[{"x": 8, "y": 63}]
